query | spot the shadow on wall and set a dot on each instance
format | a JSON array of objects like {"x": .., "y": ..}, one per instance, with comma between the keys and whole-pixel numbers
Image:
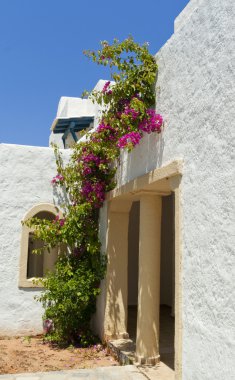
[
  {"x": 144, "y": 158},
  {"x": 60, "y": 196},
  {"x": 116, "y": 318},
  {"x": 147, "y": 318},
  {"x": 114, "y": 293}
]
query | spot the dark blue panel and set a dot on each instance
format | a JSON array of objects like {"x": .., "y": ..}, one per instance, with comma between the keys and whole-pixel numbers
[{"x": 79, "y": 124}]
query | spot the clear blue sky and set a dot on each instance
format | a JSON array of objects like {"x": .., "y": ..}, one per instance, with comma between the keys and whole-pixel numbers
[{"x": 41, "y": 45}]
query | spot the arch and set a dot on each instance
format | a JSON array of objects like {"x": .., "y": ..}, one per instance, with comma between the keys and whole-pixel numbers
[{"x": 34, "y": 266}]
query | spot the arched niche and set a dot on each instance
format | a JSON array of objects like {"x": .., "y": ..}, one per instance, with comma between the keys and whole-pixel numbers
[{"x": 33, "y": 266}]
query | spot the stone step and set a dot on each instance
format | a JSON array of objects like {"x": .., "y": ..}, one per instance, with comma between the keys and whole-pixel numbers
[{"x": 123, "y": 350}]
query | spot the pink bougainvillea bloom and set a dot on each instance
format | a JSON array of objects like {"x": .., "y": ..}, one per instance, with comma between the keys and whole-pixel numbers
[
  {"x": 129, "y": 140},
  {"x": 86, "y": 170},
  {"x": 105, "y": 88},
  {"x": 109, "y": 133},
  {"x": 94, "y": 192},
  {"x": 91, "y": 158},
  {"x": 152, "y": 123},
  {"x": 57, "y": 218},
  {"x": 57, "y": 179},
  {"x": 47, "y": 326},
  {"x": 62, "y": 221},
  {"x": 132, "y": 112}
]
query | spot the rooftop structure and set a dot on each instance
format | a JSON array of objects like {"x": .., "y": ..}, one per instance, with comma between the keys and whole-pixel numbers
[{"x": 73, "y": 116}]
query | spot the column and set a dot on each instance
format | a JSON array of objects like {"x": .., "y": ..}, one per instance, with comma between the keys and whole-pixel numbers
[
  {"x": 147, "y": 342},
  {"x": 115, "y": 324}
]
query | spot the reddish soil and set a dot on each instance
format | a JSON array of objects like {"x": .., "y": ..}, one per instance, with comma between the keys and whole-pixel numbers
[{"x": 32, "y": 354}]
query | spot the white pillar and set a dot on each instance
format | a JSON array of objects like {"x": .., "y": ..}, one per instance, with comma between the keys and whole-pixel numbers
[
  {"x": 147, "y": 343},
  {"x": 115, "y": 324}
]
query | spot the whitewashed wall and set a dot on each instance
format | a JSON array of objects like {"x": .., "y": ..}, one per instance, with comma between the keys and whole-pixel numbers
[
  {"x": 196, "y": 98},
  {"x": 25, "y": 174}
]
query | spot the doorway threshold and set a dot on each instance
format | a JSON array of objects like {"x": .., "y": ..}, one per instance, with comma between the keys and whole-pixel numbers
[{"x": 123, "y": 350}]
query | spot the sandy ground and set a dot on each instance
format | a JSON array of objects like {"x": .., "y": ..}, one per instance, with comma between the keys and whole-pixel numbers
[{"x": 31, "y": 354}]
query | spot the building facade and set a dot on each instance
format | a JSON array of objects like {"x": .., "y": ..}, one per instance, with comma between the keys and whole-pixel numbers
[{"x": 167, "y": 226}]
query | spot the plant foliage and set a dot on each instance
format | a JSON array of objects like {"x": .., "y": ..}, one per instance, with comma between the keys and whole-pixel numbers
[{"x": 70, "y": 291}]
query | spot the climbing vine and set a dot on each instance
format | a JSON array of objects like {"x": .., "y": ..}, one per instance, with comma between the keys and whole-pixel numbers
[{"x": 70, "y": 291}]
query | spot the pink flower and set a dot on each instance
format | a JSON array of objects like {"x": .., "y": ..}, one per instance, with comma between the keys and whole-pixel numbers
[
  {"x": 129, "y": 140},
  {"x": 105, "y": 88},
  {"x": 48, "y": 326},
  {"x": 109, "y": 132},
  {"x": 62, "y": 221},
  {"x": 86, "y": 170},
  {"x": 58, "y": 179},
  {"x": 131, "y": 111},
  {"x": 152, "y": 123},
  {"x": 91, "y": 158},
  {"x": 94, "y": 192}
]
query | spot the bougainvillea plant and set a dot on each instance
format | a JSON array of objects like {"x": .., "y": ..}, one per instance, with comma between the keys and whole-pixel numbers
[{"x": 127, "y": 102}]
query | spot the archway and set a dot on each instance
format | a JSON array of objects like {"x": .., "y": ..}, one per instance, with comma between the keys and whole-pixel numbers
[{"x": 35, "y": 266}]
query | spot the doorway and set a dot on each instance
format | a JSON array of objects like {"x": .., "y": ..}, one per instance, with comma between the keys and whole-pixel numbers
[
  {"x": 167, "y": 282},
  {"x": 133, "y": 268},
  {"x": 167, "y": 277}
]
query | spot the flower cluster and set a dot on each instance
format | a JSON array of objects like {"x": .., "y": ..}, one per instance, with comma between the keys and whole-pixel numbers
[
  {"x": 130, "y": 140},
  {"x": 57, "y": 180},
  {"x": 152, "y": 123},
  {"x": 90, "y": 163},
  {"x": 107, "y": 132},
  {"x": 94, "y": 192},
  {"x": 91, "y": 158},
  {"x": 130, "y": 111},
  {"x": 59, "y": 220},
  {"x": 105, "y": 88},
  {"x": 86, "y": 170}
]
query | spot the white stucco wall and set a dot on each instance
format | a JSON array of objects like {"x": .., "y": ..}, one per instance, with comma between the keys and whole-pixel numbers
[
  {"x": 74, "y": 107},
  {"x": 25, "y": 174},
  {"x": 56, "y": 138},
  {"x": 196, "y": 98}
]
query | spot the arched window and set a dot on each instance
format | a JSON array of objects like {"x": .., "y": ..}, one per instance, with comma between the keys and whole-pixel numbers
[{"x": 32, "y": 265}]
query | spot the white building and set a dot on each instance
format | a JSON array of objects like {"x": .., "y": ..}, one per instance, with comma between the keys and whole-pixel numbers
[{"x": 173, "y": 204}]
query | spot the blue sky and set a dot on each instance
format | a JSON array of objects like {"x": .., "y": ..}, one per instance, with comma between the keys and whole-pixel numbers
[{"x": 41, "y": 59}]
